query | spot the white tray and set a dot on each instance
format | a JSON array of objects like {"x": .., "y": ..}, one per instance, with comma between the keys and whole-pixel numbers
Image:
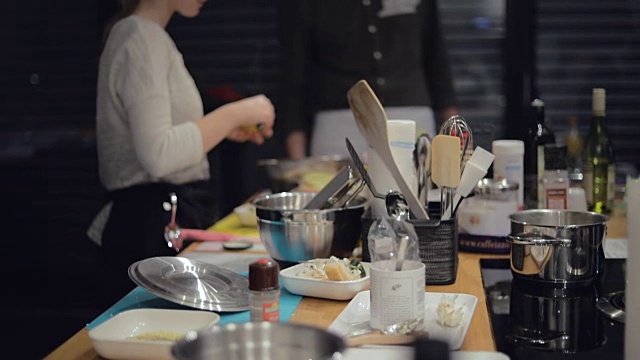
[
  {"x": 357, "y": 311},
  {"x": 405, "y": 352}
]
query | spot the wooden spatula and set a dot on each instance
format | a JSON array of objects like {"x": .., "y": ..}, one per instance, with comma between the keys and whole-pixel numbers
[
  {"x": 372, "y": 123},
  {"x": 377, "y": 338},
  {"x": 445, "y": 167}
]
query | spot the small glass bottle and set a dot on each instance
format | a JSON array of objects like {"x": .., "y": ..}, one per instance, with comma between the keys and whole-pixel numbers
[
  {"x": 264, "y": 290},
  {"x": 555, "y": 181}
]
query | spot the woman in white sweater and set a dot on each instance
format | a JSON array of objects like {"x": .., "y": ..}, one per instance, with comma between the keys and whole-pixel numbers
[{"x": 153, "y": 137}]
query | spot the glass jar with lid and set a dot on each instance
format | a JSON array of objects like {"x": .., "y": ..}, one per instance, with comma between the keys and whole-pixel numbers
[{"x": 483, "y": 219}]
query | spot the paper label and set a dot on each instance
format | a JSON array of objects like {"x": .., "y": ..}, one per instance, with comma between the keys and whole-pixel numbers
[
  {"x": 271, "y": 311},
  {"x": 556, "y": 198}
]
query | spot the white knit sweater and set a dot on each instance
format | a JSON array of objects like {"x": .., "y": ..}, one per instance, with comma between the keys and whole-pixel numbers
[{"x": 147, "y": 103}]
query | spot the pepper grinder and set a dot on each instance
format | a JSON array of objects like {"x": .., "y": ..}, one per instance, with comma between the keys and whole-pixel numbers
[{"x": 264, "y": 290}]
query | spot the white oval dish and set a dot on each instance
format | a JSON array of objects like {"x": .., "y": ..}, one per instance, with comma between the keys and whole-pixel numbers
[
  {"x": 326, "y": 289},
  {"x": 114, "y": 338}
]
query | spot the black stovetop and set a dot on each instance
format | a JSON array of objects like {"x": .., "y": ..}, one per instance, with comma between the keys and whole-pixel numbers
[{"x": 539, "y": 322}]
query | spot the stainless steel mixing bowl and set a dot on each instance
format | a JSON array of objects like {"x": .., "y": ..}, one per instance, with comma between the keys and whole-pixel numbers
[
  {"x": 292, "y": 234},
  {"x": 258, "y": 340},
  {"x": 287, "y": 174}
]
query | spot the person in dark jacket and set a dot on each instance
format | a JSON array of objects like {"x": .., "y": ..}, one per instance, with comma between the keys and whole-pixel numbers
[{"x": 329, "y": 45}]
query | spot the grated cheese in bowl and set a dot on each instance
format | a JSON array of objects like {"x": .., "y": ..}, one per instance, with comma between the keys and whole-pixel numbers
[
  {"x": 448, "y": 313},
  {"x": 334, "y": 268}
]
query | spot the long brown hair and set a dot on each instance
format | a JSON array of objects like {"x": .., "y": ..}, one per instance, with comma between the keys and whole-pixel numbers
[{"x": 127, "y": 7}]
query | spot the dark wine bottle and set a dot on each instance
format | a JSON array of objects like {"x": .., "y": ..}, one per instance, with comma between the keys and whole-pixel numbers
[
  {"x": 598, "y": 162},
  {"x": 538, "y": 135}
]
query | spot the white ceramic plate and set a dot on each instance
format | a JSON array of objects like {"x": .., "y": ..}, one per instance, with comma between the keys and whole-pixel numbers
[
  {"x": 326, "y": 289},
  {"x": 406, "y": 352},
  {"x": 357, "y": 312},
  {"x": 114, "y": 338}
]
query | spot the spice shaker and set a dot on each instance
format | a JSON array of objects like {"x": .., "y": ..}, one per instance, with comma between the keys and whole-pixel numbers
[{"x": 264, "y": 290}]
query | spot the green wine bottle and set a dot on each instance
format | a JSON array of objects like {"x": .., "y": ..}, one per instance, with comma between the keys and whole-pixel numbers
[{"x": 598, "y": 162}]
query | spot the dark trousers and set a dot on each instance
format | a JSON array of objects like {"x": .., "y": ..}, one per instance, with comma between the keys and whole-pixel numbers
[{"x": 135, "y": 229}]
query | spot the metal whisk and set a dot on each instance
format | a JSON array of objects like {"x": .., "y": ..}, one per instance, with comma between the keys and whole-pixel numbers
[{"x": 457, "y": 126}]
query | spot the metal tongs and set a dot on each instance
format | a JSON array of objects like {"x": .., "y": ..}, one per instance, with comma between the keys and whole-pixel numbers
[{"x": 343, "y": 188}]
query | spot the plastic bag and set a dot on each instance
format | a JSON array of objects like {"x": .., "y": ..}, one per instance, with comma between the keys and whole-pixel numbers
[{"x": 390, "y": 239}]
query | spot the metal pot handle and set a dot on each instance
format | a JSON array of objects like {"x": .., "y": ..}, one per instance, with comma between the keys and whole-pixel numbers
[
  {"x": 537, "y": 239},
  {"x": 558, "y": 342}
]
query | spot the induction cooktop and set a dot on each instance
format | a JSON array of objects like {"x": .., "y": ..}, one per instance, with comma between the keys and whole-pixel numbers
[{"x": 542, "y": 322}]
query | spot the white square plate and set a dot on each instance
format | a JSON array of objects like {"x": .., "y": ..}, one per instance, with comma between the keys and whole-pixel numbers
[
  {"x": 326, "y": 289},
  {"x": 357, "y": 312},
  {"x": 114, "y": 338}
]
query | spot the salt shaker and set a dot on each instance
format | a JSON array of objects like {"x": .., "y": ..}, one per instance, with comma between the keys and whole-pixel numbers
[{"x": 264, "y": 290}]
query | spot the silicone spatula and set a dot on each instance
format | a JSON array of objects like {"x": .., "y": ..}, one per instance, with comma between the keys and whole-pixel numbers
[
  {"x": 445, "y": 166},
  {"x": 475, "y": 169}
]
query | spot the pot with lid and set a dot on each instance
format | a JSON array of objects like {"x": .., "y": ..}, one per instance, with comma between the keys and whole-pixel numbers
[{"x": 557, "y": 247}]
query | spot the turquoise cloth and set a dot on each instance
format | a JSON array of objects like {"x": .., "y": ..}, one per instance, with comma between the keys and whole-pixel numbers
[{"x": 140, "y": 298}]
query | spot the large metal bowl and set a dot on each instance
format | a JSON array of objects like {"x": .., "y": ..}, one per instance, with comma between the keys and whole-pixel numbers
[
  {"x": 287, "y": 174},
  {"x": 291, "y": 234},
  {"x": 258, "y": 340}
]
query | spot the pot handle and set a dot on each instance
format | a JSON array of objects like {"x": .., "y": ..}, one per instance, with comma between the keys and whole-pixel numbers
[
  {"x": 537, "y": 239},
  {"x": 549, "y": 343}
]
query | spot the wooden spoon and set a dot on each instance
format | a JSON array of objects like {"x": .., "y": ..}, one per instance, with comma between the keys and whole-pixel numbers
[
  {"x": 372, "y": 123},
  {"x": 378, "y": 338}
]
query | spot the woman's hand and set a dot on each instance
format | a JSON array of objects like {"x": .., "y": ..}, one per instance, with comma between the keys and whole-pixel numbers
[
  {"x": 255, "y": 117},
  {"x": 238, "y": 121}
]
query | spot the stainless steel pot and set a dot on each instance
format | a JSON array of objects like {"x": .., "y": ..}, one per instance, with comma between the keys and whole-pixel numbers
[
  {"x": 258, "y": 340},
  {"x": 557, "y": 247},
  {"x": 554, "y": 319}
]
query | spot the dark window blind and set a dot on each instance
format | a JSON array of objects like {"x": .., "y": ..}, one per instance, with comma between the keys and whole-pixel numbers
[
  {"x": 474, "y": 32},
  {"x": 587, "y": 44}
]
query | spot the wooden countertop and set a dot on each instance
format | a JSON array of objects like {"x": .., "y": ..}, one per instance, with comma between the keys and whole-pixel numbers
[{"x": 319, "y": 312}]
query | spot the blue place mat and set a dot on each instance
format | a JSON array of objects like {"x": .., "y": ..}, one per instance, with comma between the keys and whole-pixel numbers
[{"x": 140, "y": 298}]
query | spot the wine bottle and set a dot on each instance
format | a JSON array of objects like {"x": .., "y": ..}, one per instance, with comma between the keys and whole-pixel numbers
[
  {"x": 598, "y": 162},
  {"x": 538, "y": 135}
]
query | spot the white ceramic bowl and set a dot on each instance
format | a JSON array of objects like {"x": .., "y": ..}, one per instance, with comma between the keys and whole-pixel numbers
[
  {"x": 326, "y": 289},
  {"x": 115, "y": 338}
]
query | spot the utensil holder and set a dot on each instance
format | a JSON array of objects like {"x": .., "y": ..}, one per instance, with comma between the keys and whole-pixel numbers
[
  {"x": 438, "y": 241},
  {"x": 438, "y": 247}
]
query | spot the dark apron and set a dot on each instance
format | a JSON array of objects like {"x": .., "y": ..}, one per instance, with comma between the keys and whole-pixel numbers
[{"x": 135, "y": 228}]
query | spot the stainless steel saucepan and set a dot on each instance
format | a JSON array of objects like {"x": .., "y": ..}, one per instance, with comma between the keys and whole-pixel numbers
[{"x": 557, "y": 247}]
